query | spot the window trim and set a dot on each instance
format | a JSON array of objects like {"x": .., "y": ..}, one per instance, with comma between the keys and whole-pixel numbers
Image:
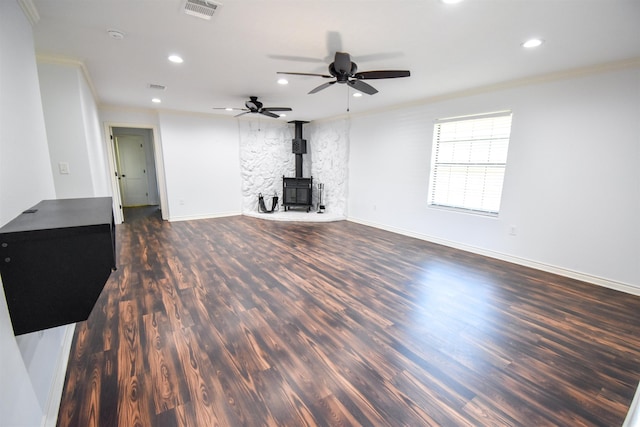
[{"x": 435, "y": 147}]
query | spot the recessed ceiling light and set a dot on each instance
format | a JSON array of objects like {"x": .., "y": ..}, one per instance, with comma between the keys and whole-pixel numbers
[
  {"x": 175, "y": 59},
  {"x": 357, "y": 95},
  {"x": 283, "y": 81},
  {"x": 283, "y": 115},
  {"x": 228, "y": 109},
  {"x": 156, "y": 100},
  {"x": 115, "y": 34},
  {"x": 450, "y": 1},
  {"x": 532, "y": 43}
]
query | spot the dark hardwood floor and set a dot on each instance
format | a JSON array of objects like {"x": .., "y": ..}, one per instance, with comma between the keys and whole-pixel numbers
[{"x": 240, "y": 321}]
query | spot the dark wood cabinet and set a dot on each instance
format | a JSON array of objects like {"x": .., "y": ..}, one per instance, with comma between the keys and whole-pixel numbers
[{"x": 55, "y": 259}]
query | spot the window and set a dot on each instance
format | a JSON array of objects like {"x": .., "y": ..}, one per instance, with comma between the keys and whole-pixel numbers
[{"x": 468, "y": 162}]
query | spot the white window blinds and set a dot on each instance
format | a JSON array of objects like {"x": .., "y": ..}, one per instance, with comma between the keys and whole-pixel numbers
[{"x": 469, "y": 161}]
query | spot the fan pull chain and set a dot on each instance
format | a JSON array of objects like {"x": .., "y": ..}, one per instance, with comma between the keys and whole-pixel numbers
[{"x": 348, "y": 100}]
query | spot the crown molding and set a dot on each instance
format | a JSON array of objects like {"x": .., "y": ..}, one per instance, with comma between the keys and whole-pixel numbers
[
  {"x": 542, "y": 78},
  {"x": 30, "y": 11}
]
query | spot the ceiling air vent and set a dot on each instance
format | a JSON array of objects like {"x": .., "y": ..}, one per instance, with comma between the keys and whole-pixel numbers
[
  {"x": 157, "y": 86},
  {"x": 203, "y": 9}
]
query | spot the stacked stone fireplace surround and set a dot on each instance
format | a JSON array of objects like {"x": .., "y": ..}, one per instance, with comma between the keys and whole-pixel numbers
[{"x": 266, "y": 156}]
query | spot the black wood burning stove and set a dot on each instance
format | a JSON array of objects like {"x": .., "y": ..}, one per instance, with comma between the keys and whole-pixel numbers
[{"x": 297, "y": 192}]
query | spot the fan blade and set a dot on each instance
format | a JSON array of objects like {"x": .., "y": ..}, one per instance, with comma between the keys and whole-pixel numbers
[
  {"x": 362, "y": 87},
  {"x": 322, "y": 86},
  {"x": 334, "y": 44},
  {"x": 242, "y": 114},
  {"x": 277, "y": 109},
  {"x": 384, "y": 74},
  {"x": 326, "y": 76},
  {"x": 267, "y": 113},
  {"x": 294, "y": 58},
  {"x": 376, "y": 56},
  {"x": 342, "y": 62}
]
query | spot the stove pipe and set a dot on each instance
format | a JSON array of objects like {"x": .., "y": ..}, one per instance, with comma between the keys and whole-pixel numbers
[{"x": 298, "y": 146}]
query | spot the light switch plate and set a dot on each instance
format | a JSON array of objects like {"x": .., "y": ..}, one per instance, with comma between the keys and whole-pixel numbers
[{"x": 63, "y": 167}]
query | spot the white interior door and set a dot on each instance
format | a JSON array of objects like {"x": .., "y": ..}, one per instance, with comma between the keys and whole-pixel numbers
[{"x": 134, "y": 186}]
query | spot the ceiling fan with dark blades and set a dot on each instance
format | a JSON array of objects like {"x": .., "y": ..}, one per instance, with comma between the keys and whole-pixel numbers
[
  {"x": 345, "y": 71},
  {"x": 254, "y": 106}
]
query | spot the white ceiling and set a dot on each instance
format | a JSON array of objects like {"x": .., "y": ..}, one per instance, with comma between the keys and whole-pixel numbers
[{"x": 447, "y": 48}]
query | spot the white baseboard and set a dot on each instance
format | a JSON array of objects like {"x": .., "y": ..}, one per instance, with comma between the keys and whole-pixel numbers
[
  {"x": 607, "y": 283},
  {"x": 50, "y": 416}
]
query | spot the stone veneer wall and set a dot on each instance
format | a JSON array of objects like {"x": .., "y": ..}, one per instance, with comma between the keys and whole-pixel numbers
[
  {"x": 328, "y": 145},
  {"x": 265, "y": 156}
]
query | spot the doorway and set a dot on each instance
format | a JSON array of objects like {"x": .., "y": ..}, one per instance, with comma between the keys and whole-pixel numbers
[{"x": 135, "y": 171}]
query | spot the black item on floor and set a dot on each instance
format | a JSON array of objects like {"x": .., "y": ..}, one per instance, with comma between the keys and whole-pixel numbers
[{"x": 263, "y": 207}]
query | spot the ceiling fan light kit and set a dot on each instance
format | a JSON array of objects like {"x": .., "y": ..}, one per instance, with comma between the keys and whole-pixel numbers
[
  {"x": 256, "y": 107},
  {"x": 345, "y": 71}
]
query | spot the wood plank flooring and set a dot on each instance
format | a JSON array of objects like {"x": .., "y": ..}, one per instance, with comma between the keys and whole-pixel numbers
[{"x": 240, "y": 321}]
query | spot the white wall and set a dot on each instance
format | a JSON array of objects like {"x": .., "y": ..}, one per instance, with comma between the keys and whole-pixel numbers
[
  {"x": 127, "y": 117},
  {"x": 73, "y": 131},
  {"x": 96, "y": 146},
  {"x": 19, "y": 405},
  {"x": 202, "y": 165},
  {"x": 572, "y": 185},
  {"x": 45, "y": 357},
  {"x": 25, "y": 179},
  {"x": 25, "y": 173}
]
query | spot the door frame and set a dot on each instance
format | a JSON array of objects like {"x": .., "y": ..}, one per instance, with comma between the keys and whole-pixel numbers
[{"x": 159, "y": 164}]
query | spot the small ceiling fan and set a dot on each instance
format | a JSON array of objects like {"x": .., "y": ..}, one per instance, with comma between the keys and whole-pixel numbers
[
  {"x": 346, "y": 71},
  {"x": 255, "y": 106}
]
